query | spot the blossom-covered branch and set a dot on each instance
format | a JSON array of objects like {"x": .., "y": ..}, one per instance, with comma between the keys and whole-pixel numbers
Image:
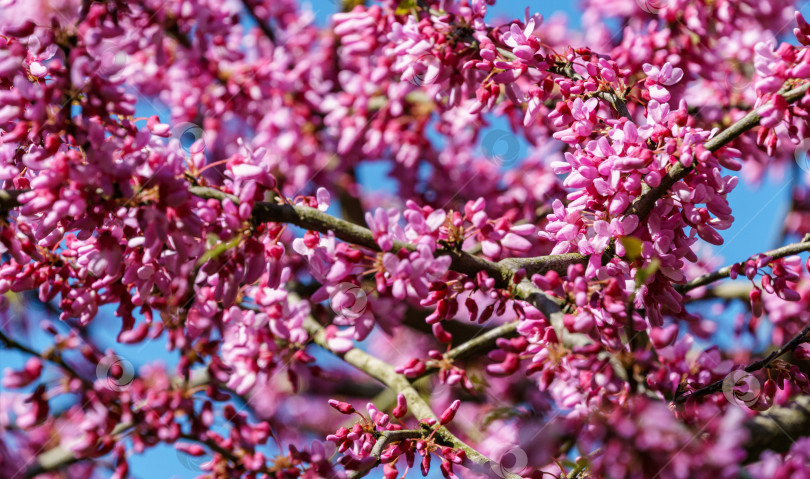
[
  {"x": 643, "y": 205},
  {"x": 778, "y": 429},
  {"x": 734, "y": 269},
  {"x": 386, "y": 438},
  {"x": 523, "y": 243},
  {"x": 462, "y": 262},
  {"x": 717, "y": 386},
  {"x": 386, "y": 374}
]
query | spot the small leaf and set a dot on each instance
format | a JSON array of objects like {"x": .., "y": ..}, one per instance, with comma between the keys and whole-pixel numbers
[
  {"x": 405, "y": 7},
  {"x": 647, "y": 272},
  {"x": 632, "y": 247}
]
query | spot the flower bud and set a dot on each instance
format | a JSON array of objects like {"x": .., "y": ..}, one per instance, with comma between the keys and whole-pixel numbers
[
  {"x": 343, "y": 407},
  {"x": 402, "y": 406},
  {"x": 449, "y": 413}
]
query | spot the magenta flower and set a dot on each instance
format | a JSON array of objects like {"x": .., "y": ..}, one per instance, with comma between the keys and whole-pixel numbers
[
  {"x": 659, "y": 78},
  {"x": 506, "y": 225}
]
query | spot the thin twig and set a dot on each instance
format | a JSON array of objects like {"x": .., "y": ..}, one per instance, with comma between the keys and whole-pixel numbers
[
  {"x": 268, "y": 32},
  {"x": 789, "y": 250},
  {"x": 611, "y": 97},
  {"x": 755, "y": 366},
  {"x": 476, "y": 345},
  {"x": 644, "y": 204},
  {"x": 51, "y": 356},
  {"x": 386, "y": 374},
  {"x": 59, "y": 457},
  {"x": 230, "y": 456},
  {"x": 386, "y": 437}
]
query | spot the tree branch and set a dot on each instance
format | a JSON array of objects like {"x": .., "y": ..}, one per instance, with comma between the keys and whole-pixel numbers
[
  {"x": 755, "y": 366},
  {"x": 316, "y": 220},
  {"x": 724, "y": 272},
  {"x": 386, "y": 437},
  {"x": 398, "y": 383},
  {"x": 477, "y": 345},
  {"x": 726, "y": 291},
  {"x": 611, "y": 97},
  {"x": 59, "y": 457},
  {"x": 461, "y": 262},
  {"x": 268, "y": 32},
  {"x": 644, "y": 204},
  {"x": 778, "y": 428},
  {"x": 51, "y": 355},
  {"x": 544, "y": 264}
]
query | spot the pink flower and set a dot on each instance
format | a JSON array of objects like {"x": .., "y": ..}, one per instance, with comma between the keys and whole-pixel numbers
[
  {"x": 518, "y": 40},
  {"x": 658, "y": 78}
]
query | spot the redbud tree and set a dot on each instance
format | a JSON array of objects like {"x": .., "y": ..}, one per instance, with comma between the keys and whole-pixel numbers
[{"x": 492, "y": 312}]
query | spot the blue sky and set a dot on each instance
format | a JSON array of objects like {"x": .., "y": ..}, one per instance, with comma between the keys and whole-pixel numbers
[{"x": 758, "y": 211}]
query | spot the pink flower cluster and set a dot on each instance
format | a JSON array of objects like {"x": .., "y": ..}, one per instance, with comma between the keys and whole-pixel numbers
[
  {"x": 228, "y": 248},
  {"x": 358, "y": 442}
]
